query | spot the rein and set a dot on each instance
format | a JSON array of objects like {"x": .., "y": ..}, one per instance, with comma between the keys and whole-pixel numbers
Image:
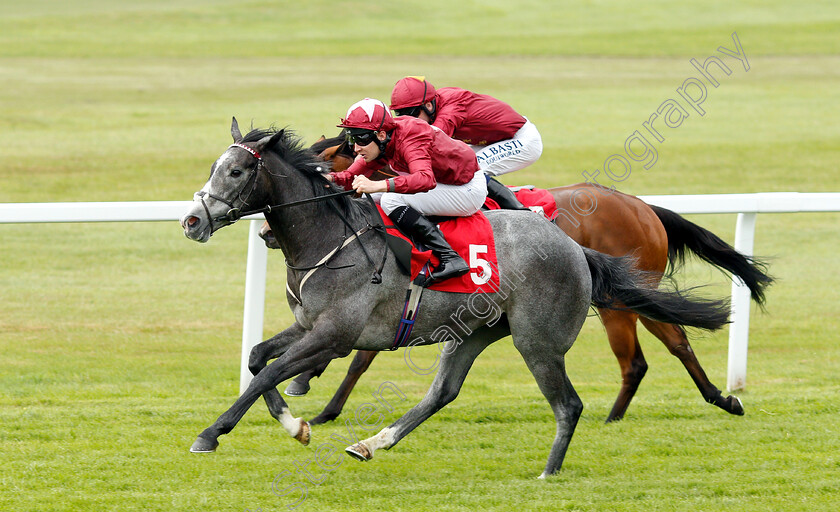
[{"x": 234, "y": 214}]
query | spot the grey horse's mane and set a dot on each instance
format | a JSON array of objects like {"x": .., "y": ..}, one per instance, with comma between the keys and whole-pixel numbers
[{"x": 290, "y": 148}]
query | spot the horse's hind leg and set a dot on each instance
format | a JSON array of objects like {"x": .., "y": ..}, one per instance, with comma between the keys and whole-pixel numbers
[
  {"x": 673, "y": 336},
  {"x": 621, "y": 332},
  {"x": 453, "y": 369},
  {"x": 549, "y": 370},
  {"x": 359, "y": 366}
]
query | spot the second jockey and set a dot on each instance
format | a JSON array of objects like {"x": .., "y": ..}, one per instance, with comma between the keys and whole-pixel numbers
[{"x": 503, "y": 140}]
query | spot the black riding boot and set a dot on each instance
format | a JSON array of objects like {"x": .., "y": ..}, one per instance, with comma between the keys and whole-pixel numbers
[
  {"x": 414, "y": 224},
  {"x": 504, "y": 196}
]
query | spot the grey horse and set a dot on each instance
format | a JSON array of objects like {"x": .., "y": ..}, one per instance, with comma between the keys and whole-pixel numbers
[{"x": 347, "y": 292}]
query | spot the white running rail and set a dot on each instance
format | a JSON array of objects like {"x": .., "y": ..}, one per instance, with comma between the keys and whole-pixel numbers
[{"x": 747, "y": 206}]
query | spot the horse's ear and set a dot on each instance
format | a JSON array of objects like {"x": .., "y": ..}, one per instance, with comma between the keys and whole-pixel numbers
[
  {"x": 234, "y": 131},
  {"x": 322, "y": 139},
  {"x": 268, "y": 141}
]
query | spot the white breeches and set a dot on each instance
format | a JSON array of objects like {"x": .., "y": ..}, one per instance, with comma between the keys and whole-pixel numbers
[
  {"x": 511, "y": 155},
  {"x": 443, "y": 200}
]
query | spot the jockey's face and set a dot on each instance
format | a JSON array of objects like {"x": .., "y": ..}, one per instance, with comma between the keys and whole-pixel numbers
[
  {"x": 419, "y": 112},
  {"x": 369, "y": 151}
]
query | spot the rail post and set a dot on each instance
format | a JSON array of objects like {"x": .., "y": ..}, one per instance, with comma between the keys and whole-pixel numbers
[
  {"x": 252, "y": 320},
  {"x": 739, "y": 331}
]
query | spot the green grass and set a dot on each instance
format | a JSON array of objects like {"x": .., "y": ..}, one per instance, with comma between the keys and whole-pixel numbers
[{"x": 120, "y": 342}]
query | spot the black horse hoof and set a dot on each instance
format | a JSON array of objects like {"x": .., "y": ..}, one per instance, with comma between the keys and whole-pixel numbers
[
  {"x": 296, "y": 389},
  {"x": 735, "y": 405},
  {"x": 202, "y": 445},
  {"x": 323, "y": 418}
]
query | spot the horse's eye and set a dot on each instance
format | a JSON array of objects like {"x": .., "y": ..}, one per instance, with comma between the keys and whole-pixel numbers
[{"x": 235, "y": 173}]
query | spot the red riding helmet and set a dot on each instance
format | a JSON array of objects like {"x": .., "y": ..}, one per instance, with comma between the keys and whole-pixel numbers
[
  {"x": 411, "y": 91},
  {"x": 369, "y": 114}
]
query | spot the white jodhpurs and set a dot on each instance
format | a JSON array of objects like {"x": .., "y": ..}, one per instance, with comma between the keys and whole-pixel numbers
[
  {"x": 511, "y": 155},
  {"x": 443, "y": 200}
]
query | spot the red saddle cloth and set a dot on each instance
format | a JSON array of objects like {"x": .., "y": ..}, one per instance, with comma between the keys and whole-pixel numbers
[
  {"x": 537, "y": 199},
  {"x": 472, "y": 238}
]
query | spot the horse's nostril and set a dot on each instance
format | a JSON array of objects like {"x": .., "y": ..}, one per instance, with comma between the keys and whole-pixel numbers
[{"x": 191, "y": 221}]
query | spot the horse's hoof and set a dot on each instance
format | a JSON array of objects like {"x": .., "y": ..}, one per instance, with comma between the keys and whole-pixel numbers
[
  {"x": 305, "y": 433},
  {"x": 613, "y": 419},
  {"x": 736, "y": 407},
  {"x": 323, "y": 418},
  {"x": 359, "y": 452},
  {"x": 202, "y": 445},
  {"x": 296, "y": 389}
]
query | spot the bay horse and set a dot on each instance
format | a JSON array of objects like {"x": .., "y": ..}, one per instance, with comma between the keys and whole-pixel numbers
[
  {"x": 333, "y": 238},
  {"x": 613, "y": 223}
]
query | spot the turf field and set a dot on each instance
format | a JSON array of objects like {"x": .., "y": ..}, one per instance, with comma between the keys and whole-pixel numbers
[{"x": 119, "y": 343}]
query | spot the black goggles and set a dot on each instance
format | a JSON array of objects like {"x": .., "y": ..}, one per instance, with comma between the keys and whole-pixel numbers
[
  {"x": 409, "y": 111},
  {"x": 361, "y": 137}
]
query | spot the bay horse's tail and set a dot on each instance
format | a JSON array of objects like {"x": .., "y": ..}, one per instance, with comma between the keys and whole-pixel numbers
[
  {"x": 618, "y": 284},
  {"x": 686, "y": 236}
]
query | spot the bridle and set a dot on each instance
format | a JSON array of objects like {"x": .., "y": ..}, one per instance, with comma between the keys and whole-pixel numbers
[
  {"x": 201, "y": 194},
  {"x": 236, "y": 213}
]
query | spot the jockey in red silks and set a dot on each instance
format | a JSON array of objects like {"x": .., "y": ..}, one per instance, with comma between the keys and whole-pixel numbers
[
  {"x": 437, "y": 175},
  {"x": 503, "y": 140}
]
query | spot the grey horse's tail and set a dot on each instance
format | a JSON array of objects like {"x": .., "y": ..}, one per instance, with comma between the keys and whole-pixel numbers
[
  {"x": 684, "y": 236},
  {"x": 618, "y": 284}
]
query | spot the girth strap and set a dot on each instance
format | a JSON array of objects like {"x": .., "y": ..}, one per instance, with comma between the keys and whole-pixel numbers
[
  {"x": 411, "y": 308},
  {"x": 323, "y": 260}
]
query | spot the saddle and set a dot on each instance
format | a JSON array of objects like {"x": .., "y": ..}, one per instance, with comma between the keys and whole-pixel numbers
[
  {"x": 537, "y": 199},
  {"x": 471, "y": 237}
]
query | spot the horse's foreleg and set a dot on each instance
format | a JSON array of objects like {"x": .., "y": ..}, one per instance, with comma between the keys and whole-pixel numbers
[
  {"x": 263, "y": 383},
  {"x": 621, "y": 332},
  {"x": 270, "y": 349},
  {"x": 453, "y": 370},
  {"x": 310, "y": 351},
  {"x": 674, "y": 338},
  {"x": 359, "y": 366}
]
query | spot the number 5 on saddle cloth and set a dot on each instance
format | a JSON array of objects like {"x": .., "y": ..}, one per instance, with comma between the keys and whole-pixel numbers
[{"x": 471, "y": 237}]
